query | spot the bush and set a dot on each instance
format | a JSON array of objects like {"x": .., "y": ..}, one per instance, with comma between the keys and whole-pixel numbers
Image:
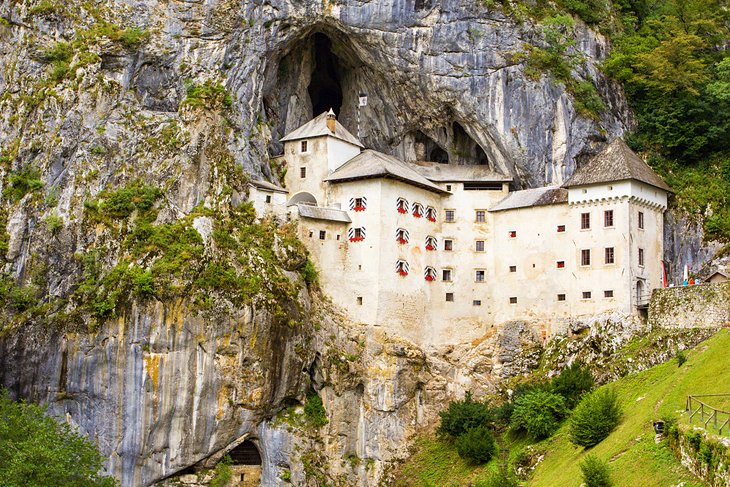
[
  {"x": 504, "y": 477},
  {"x": 462, "y": 416},
  {"x": 595, "y": 417},
  {"x": 222, "y": 474},
  {"x": 681, "y": 358},
  {"x": 54, "y": 223},
  {"x": 476, "y": 445},
  {"x": 309, "y": 272},
  {"x": 314, "y": 410},
  {"x": 22, "y": 182},
  {"x": 573, "y": 383},
  {"x": 539, "y": 413},
  {"x": 595, "y": 472},
  {"x": 121, "y": 203}
]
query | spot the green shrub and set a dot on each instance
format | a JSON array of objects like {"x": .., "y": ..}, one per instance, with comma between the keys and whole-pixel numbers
[
  {"x": 59, "y": 52},
  {"x": 22, "y": 182},
  {"x": 591, "y": 11},
  {"x": 309, "y": 272},
  {"x": 595, "y": 472},
  {"x": 121, "y": 203},
  {"x": 476, "y": 445},
  {"x": 504, "y": 477},
  {"x": 539, "y": 413},
  {"x": 574, "y": 381},
  {"x": 462, "y": 416},
  {"x": 595, "y": 417},
  {"x": 54, "y": 223},
  {"x": 208, "y": 94},
  {"x": 133, "y": 37},
  {"x": 314, "y": 410},
  {"x": 681, "y": 358},
  {"x": 222, "y": 474}
]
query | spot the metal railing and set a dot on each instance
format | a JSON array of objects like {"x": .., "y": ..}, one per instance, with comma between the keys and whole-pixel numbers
[{"x": 697, "y": 407}]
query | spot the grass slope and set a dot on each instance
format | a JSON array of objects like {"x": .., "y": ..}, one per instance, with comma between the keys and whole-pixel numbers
[{"x": 632, "y": 454}]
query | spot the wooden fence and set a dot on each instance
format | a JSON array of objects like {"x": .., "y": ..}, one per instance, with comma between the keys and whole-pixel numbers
[{"x": 707, "y": 413}]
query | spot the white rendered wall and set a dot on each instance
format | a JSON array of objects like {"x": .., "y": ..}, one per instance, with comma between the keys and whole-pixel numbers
[
  {"x": 618, "y": 189},
  {"x": 277, "y": 206},
  {"x": 339, "y": 152}
]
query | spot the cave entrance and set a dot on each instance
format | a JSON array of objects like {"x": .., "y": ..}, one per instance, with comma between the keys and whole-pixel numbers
[
  {"x": 466, "y": 148},
  {"x": 325, "y": 90},
  {"x": 246, "y": 465},
  {"x": 428, "y": 150}
]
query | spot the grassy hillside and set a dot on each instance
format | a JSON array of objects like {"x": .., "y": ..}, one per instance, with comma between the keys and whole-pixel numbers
[{"x": 634, "y": 457}]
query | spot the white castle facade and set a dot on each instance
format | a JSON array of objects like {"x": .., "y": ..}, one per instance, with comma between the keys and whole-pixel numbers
[{"x": 440, "y": 253}]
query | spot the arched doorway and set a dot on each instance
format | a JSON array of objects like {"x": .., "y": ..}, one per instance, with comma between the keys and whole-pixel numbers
[
  {"x": 303, "y": 198},
  {"x": 245, "y": 465}
]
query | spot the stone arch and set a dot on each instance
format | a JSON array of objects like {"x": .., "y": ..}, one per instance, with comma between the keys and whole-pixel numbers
[
  {"x": 247, "y": 453},
  {"x": 303, "y": 198}
]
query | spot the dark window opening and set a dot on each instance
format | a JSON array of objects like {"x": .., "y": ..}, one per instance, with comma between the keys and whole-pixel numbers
[
  {"x": 304, "y": 145},
  {"x": 561, "y": 264},
  {"x": 561, "y": 297},
  {"x": 608, "y": 294},
  {"x": 245, "y": 454},
  {"x": 448, "y": 245},
  {"x": 446, "y": 275},
  {"x": 268, "y": 198},
  {"x": 610, "y": 255},
  {"x": 608, "y": 218},
  {"x": 450, "y": 297},
  {"x": 476, "y": 302},
  {"x": 641, "y": 219},
  {"x": 585, "y": 257},
  {"x": 482, "y": 186},
  {"x": 586, "y": 295},
  {"x": 322, "y": 234},
  {"x": 585, "y": 221},
  {"x": 359, "y": 300},
  {"x": 513, "y": 268},
  {"x": 302, "y": 172},
  {"x": 324, "y": 89},
  {"x": 561, "y": 228},
  {"x": 641, "y": 257},
  {"x": 513, "y": 300},
  {"x": 449, "y": 216}
]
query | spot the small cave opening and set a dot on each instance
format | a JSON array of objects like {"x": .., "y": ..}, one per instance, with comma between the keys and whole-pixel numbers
[
  {"x": 428, "y": 150},
  {"x": 468, "y": 151},
  {"x": 325, "y": 89}
]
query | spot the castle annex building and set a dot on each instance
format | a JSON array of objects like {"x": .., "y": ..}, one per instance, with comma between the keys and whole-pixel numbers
[{"x": 441, "y": 252}]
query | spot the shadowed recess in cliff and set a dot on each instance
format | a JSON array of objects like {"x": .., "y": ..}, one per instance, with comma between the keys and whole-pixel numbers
[{"x": 324, "y": 88}]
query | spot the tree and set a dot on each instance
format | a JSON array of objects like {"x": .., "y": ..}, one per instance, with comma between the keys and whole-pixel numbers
[
  {"x": 461, "y": 416},
  {"x": 572, "y": 383},
  {"x": 36, "y": 451},
  {"x": 539, "y": 413},
  {"x": 595, "y": 417}
]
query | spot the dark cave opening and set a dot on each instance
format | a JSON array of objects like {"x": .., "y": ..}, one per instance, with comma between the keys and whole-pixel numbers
[
  {"x": 466, "y": 148},
  {"x": 428, "y": 150},
  {"x": 324, "y": 89},
  {"x": 439, "y": 155}
]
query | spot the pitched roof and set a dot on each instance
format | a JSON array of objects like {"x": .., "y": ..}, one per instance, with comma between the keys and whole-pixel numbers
[
  {"x": 321, "y": 213},
  {"x": 265, "y": 185},
  {"x": 372, "y": 164},
  {"x": 317, "y": 127},
  {"x": 453, "y": 173},
  {"x": 550, "y": 195},
  {"x": 616, "y": 162}
]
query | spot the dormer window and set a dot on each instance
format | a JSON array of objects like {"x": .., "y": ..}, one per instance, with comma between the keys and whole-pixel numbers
[
  {"x": 402, "y": 205},
  {"x": 430, "y": 214},
  {"x": 417, "y": 210},
  {"x": 356, "y": 234},
  {"x": 304, "y": 147},
  {"x": 402, "y": 236},
  {"x": 429, "y": 273},
  {"x": 431, "y": 243},
  {"x": 401, "y": 267},
  {"x": 358, "y": 204}
]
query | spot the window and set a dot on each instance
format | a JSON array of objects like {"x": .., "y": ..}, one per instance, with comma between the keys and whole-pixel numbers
[
  {"x": 513, "y": 300},
  {"x": 476, "y": 302},
  {"x": 446, "y": 275},
  {"x": 302, "y": 172},
  {"x": 429, "y": 273},
  {"x": 448, "y": 187},
  {"x": 430, "y": 214},
  {"x": 641, "y": 219},
  {"x": 356, "y": 234},
  {"x": 322, "y": 234},
  {"x": 268, "y": 198},
  {"x": 513, "y": 268},
  {"x": 608, "y": 218},
  {"x": 417, "y": 210},
  {"x": 449, "y": 216},
  {"x": 608, "y": 294},
  {"x": 479, "y": 276},
  {"x": 481, "y": 216},
  {"x": 401, "y": 267},
  {"x": 479, "y": 246},
  {"x": 359, "y": 300},
  {"x": 448, "y": 244},
  {"x": 585, "y": 221},
  {"x": 401, "y": 204},
  {"x": 402, "y": 236},
  {"x": 561, "y": 297},
  {"x": 610, "y": 256},
  {"x": 585, "y": 257},
  {"x": 641, "y": 257},
  {"x": 311, "y": 234},
  {"x": 482, "y": 186},
  {"x": 512, "y": 233},
  {"x": 337, "y": 237},
  {"x": 450, "y": 297},
  {"x": 358, "y": 204},
  {"x": 561, "y": 228},
  {"x": 560, "y": 264},
  {"x": 431, "y": 243},
  {"x": 305, "y": 146},
  {"x": 586, "y": 295}
]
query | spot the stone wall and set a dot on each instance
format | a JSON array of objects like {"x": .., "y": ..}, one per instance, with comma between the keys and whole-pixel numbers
[
  {"x": 706, "y": 456},
  {"x": 700, "y": 306}
]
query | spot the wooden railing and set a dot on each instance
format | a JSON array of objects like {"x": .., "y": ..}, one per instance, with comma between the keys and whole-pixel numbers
[{"x": 696, "y": 407}]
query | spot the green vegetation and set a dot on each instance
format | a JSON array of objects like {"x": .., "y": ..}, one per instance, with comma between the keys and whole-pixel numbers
[
  {"x": 54, "y": 223},
  {"x": 314, "y": 410},
  {"x": 572, "y": 383},
  {"x": 222, "y": 473},
  {"x": 538, "y": 413},
  {"x": 208, "y": 94},
  {"x": 595, "y": 417},
  {"x": 681, "y": 358},
  {"x": 461, "y": 416},
  {"x": 22, "y": 182},
  {"x": 476, "y": 444},
  {"x": 595, "y": 472},
  {"x": 36, "y": 450}
]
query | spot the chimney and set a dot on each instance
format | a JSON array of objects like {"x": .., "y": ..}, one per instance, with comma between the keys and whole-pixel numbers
[{"x": 331, "y": 119}]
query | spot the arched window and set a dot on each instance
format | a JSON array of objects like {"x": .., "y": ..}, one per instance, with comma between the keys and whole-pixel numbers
[
  {"x": 402, "y": 236},
  {"x": 245, "y": 454},
  {"x": 430, "y": 214},
  {"x": 356, "y": 234},
  {"x": 401, "y": 267},
  {"x": 358, "y": 204},
  {"x": 431, "y": 243},
  {"x": 429, "y": 273},
  {"x": 401, "y": 205},
  {"x": 417, "y": 210}
]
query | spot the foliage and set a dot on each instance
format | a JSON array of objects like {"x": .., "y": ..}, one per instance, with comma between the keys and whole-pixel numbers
[
  {"x": 54, "y": 223},
  {"x": 539, "y": 413},
  {"x": 461, "y": 416},
  {"x": 595, "y": 417},
  {"x": 574, "y": 381},
  {"x": 309, "y": 272},
  {"x": 135, "y": 196},
  {"x": 476, "y": 445},
  {"x": 595, "y": 472},
  {"x": 35, "y": 450},
  {"x": 208, "y": 94},
  {"x": 222, "y": 474},
  {"x": 591, "y": 11},
  {"x": 504, "y": 477},
  {"x": 22, "y": 182},
  {"x": 314, "y": 410},
  {"x": 681, "y": 358}
]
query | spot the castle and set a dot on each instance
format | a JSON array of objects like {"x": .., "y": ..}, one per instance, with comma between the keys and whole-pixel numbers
[{"x": 440, "y": 252}]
